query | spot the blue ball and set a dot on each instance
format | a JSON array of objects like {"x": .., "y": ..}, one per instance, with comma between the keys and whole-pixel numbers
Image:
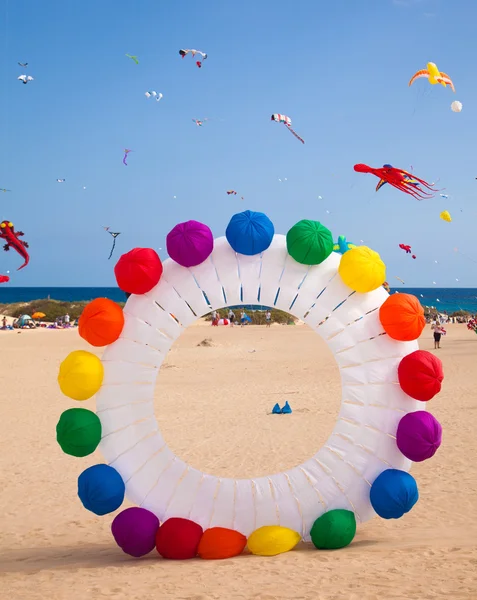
[
  {"x": 250, "y": 232},
  {"x": 101, "y": 489},
  {"x": 393, "y": 493}
]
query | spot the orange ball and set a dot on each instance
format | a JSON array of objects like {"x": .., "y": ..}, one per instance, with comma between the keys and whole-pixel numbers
[
  {"x": 101, "y": 322},
  {"x": 402, "y": 317},
  {"x": 219, "y": 542}
]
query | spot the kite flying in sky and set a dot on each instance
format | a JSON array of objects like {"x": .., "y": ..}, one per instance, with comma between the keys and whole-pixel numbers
[
  {"x": 200, "y": 122},
  {"x": 400, "y": 179},
  {"x": 154, "y": 95},
  {"x": 134, "y": 58},
  {"x": 12, "y": 238},
  {"x": 4, "y": 278},
  {"x": 24, "y": 65},
  {"x": 434, "y": 75},
  {"x": 407, "y": 249},
  {"x": 25, "y": 78},
  {"x": 382, "y": 182},
  {"x": 342, "y": 245},
  {"x": 4, "y": 190},
  {"x": 126, "y": 152},
  {"x": 114, "y": 235},
  {"x": 184, "y": 53},
  {"x": 61, "y": 180},
  {"x": 278, "y": 118}
]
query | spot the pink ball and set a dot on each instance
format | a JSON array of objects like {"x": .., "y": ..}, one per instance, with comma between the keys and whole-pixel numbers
[
  {"x": 134, "y": 530},
  {"x": 138, "y": 271},
  {"x": 190, "y": 243}
]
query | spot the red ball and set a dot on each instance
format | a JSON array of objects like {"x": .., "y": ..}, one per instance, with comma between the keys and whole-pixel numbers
[
  {"x": 138, "y": 271},
  {"x": 420, "y": 375},
  {"x": 178, "y": 539}
]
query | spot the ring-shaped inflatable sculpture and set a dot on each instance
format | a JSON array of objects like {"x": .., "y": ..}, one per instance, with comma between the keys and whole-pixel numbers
[{"x": 362, "y": 469}]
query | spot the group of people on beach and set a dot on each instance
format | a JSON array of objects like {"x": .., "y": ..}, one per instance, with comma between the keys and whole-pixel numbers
[{"x": 244, "y": 318}]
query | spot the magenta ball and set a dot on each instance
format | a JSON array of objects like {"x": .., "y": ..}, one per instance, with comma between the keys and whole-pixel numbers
[
  {"x": 134, "y": 530},
  {"x": 190, "y": 243},
  {"x": 419, "y": 435}
]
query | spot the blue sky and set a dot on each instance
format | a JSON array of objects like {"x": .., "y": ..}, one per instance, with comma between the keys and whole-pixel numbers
[{"x": 339, "y": 69}]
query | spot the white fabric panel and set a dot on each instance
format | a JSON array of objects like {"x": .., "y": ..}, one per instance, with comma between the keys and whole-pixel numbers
[
  {"x": 249, "y": 271},
  {"x": 116, "y": 442},
  {"x": 182, "y": 502},
  {"x": 186, "y": 286},
  {"x": 144, "y": 308},
  {"x": 119, "y": 372},
  {"x": 317, "y": 279},
  {"x": 130, "y": 351},
  {"x": 361, "y": 446},
  {"x": 139, "y": 331},
  {"x": 226, "y": 265},
  {"x": 166, "y": 296},
  {"x": 273, "y": 263},
  {"x": 110, "y": 396},
  {"x": 292, "y": 276},
  {"x": 206, "y": 276},
  {"x": 223, "y": 514}
]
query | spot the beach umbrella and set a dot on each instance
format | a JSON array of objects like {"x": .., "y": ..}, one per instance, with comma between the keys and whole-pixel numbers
[{"x": 38, "y": 315}]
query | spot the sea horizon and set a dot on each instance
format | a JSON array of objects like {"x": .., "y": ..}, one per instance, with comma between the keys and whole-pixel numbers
[{"x": 449, "y": 299}]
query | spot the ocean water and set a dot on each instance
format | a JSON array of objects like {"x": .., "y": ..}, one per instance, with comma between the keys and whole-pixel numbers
[{"x": 444, "y": 299}]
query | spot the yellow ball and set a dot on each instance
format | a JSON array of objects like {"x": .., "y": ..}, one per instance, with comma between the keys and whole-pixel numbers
[
  {"x": 81, "y": 375},
  {"x": 271, "y": 540},
  {"x": 362, "y": 269}
]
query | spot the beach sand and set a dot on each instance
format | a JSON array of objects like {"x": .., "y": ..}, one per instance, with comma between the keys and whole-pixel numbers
[{"x": 212, "y": 404}]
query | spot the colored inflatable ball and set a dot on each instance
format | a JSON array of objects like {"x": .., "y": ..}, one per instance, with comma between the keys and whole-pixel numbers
[
  {"x": 81, "y": 375},
  {"x": 101, "y": 489},
  {"x": 101, "y": 322},
  {"x": 138, "y": 271},
  {"x": 178, "y": 539},
  {"x": 420, "y": 375},
  {"x": 402, "y": 317},
  {"x": 393, "y": 494},
  {"x": 309, "y": 242},
  {"x": 250, "y": 232},
  {"x": 419, "y": 435},
  {"x": 219, "y": 542},
  {"x": 78, "y": 431},
  {"x": 190, "y": 243},
  {"x": 362, "y": 269},
  {"x": 334, "y": 529},
  {"x": 271, "y": 540},
  {"x": 134, "y": 530}
]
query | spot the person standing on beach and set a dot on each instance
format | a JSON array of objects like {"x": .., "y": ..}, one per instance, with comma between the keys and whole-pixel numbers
[
  {"x": 437, "y": 327},
  {"x": 67, "y": 320},
  {"x": 268, "y": 318},
  {"x": 4, "y": 323},
  {"x": 231, "y": 317}
]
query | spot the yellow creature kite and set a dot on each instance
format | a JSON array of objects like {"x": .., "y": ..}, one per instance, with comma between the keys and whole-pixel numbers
[{"x": 434, "y": 76}]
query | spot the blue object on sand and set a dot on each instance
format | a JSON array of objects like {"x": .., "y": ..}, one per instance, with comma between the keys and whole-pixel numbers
[
  {"x": 276, "y": 410},
  {"x": 286, "y": 410}
]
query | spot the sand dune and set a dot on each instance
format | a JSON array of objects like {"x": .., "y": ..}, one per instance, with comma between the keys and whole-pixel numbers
[{"x": 213, "y": 405}]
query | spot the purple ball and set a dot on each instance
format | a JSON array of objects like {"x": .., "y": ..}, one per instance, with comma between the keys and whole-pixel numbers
[
  {"x": 190, "y": 243},
  {"x": 419, "y": 435},
  {"x": 134, "y": 530}
]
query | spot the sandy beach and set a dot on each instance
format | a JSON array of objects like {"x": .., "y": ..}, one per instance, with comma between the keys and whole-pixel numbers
[{"x": 213, "y": 404}]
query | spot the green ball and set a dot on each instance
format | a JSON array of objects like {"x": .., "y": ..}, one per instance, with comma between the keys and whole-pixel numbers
[
  {"x": 335, "y": 529},
  {"x": 78, "y": 431},
  {"x": 309, "y": 242}
]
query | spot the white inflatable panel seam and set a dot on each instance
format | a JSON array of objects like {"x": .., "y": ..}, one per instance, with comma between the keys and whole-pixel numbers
[
  {"x": 135, "y": 445},
  {"x": 149, "y": 458},
  {"x": 136, "y": 403}
]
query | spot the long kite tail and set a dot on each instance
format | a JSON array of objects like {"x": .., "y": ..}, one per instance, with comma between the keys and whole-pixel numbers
[
  {"x": 112, "y": 249},
  {"x": 296, "y": 134}
]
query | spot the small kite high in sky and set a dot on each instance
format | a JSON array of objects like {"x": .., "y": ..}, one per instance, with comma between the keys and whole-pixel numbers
[
  {"x": 61, "y": 180},
  {"x": 233, "y": 193},
  {"x": 4, "y": 190},
  {"x": 25, "y": 78},
  {"x": 200, "y": 122},
  {"x": 445, "y": 216},
  {"x": 278, "y": 118},
  {"x": 126, "y": 152},
  {"x": 134, "y": 58},
  {"x": 4, "y": 278},
  {"x": 154, "y": 95},
  {"x": 24, "y": 65},
  {"x": 184, "y": 53},
  {"x": 342, "y": 245},
  {"x": 114, "y": 235},
  {"x": 407, "y": 249},
  {"x": 434, "y": 76},
  {"x": 400, "y": 179}
]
